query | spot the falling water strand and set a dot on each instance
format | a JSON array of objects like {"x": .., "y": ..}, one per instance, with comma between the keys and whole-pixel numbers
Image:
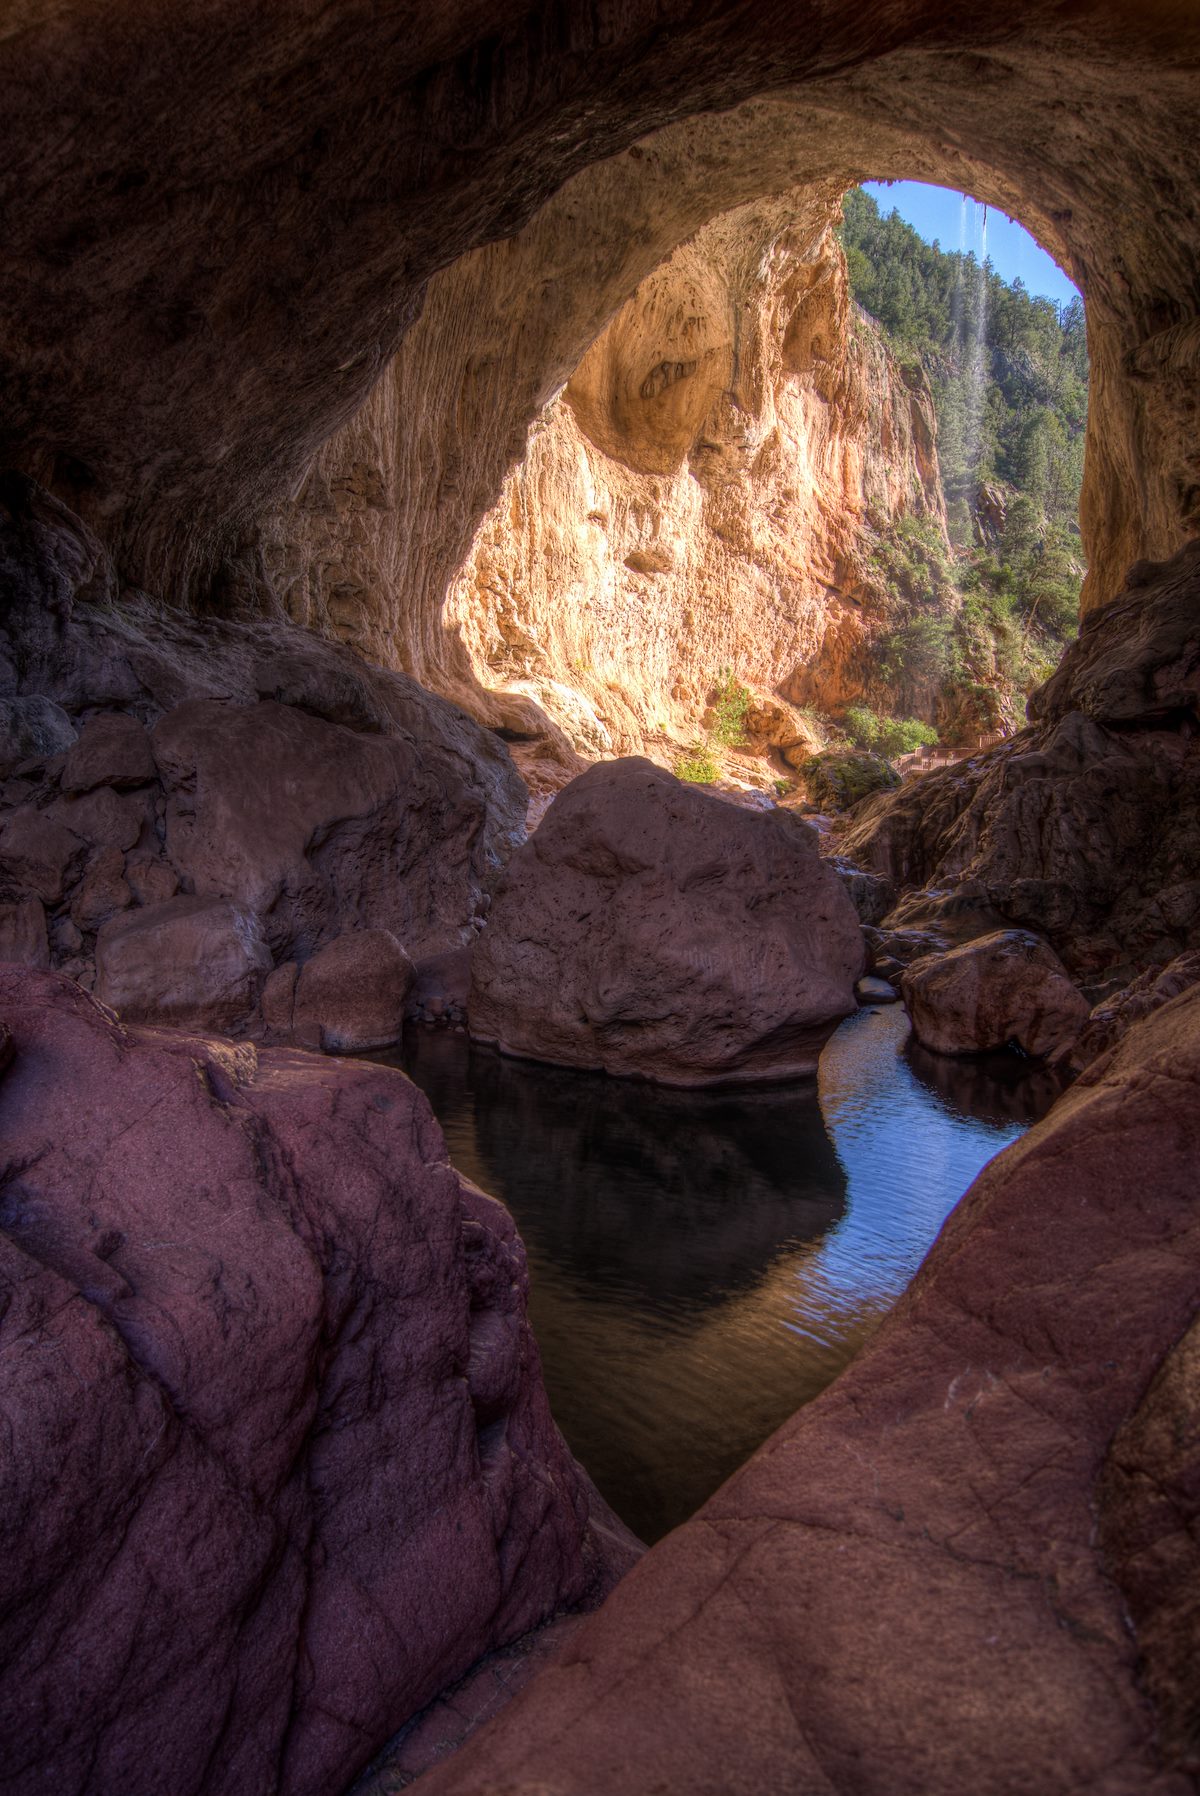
[{"x": 976, "y": 351}]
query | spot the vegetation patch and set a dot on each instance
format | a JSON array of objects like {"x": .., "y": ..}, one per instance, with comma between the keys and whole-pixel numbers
[
  {"x": 839, "y": 778},
  {"x": 697, "y": 765}
]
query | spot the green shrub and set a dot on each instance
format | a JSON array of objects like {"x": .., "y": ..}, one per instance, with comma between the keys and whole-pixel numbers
[
  {"x": 729, "y": 711},
  {"x": 697, "y": 765},
  {"x": 901, "y": 735},
  {"x": 839, "y": 778}
]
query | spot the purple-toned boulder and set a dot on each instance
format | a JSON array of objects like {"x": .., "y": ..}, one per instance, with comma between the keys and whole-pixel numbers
[
  {"x": 277, "y": 1460},
  {"x": 348, "y": 998},
  {"x": 194, "y": 963},
  {"x": 1005, "y": 988},
  {"x": 650, "y": 929}
]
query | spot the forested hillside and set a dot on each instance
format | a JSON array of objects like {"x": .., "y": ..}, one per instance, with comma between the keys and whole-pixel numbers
[{"x": 1008, "y": 373}]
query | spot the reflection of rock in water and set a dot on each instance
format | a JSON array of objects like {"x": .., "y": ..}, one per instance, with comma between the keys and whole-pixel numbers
[
  {"x": 990, "y": 1088},
  {"x": 629, "y": 1188}
]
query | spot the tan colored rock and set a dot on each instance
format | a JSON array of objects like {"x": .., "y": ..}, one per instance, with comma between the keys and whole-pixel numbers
[
  {"x": 350, "y": 995},
  {"x": 193, "y": 962},
  {"x": 652, "y": 930},
  {"x": 711, "y": 462},
  {"x": 1000, "y": 989}
]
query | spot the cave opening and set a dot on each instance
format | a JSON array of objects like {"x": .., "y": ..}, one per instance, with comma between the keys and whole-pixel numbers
[{"x": 811, "y": 494}]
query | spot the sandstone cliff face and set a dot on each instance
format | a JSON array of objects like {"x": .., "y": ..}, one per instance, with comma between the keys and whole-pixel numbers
[{"x": 698, "y": 496}]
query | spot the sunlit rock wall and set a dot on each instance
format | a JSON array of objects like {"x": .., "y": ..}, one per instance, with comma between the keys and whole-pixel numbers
[{"x": 698, "y": 496}]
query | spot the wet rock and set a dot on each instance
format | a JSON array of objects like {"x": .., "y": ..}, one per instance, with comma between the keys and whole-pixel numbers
[
  {"x": 32, "y": 729},
  {"x": 905, "y": 1587},
  {"x": 194, "y": 963},
  {"x": 441, "y": 987},
  {"x": 876, "y": 991},
  {"x": 1007, "y": 988},
  {"x": 281, "y": 1522},
  {"x": 650, "y": 929},
  {"x": 350, "y": 995},
  {"x": 112, "y": 750}
]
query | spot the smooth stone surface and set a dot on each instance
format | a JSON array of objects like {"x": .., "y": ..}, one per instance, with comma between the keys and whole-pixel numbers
[
  {"x": 279, "y": 1465},
  {"x": 196, "y": 963},
  {"x": 870, "y": 990},
  {"x": 1000, "y": 989},
  {"x": 650, "y": 929}
]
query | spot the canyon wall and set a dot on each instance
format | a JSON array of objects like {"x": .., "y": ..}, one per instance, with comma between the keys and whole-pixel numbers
[{"x": 703, "y": 495}]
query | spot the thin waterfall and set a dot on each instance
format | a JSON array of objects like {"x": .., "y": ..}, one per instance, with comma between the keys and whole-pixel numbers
[{"x": 975, "y": 357}]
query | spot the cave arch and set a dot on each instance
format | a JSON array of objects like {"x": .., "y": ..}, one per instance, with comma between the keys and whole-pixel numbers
[{"x": 210, "y": 293}]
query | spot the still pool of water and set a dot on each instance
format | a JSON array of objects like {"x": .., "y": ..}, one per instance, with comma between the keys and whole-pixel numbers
[{"x": 704, "y": 1262}]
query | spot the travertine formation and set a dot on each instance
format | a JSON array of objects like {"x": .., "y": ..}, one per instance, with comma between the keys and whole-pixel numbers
[
  {"x": 250, "y": 1525},
  {"x": 173, "y": 365},
  {"x": 698, "y": 498},
  {"x": 653, "y": 930}
]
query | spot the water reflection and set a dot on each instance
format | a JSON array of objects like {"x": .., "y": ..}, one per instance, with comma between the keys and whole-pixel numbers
[{"x": 703, "y": 1262}]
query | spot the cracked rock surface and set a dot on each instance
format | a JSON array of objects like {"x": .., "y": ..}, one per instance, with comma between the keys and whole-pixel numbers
[{"x": 278, "y": 1463}]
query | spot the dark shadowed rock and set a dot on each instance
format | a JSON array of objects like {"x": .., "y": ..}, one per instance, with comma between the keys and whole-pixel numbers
[
  {"x": 1114, "y": 1016},
  {"x": 23, "y": 933},
  {"x": 650, "y": 929},
  {"x": 113, "y": 750},
  {"x": 904, "y": 1589},
  {"x": 196, "y": 963},
  {"x": 350, "y": 995},
  {"x": 1007, "y": 987},
  {"x": 1137, "y": 660},
  {"x": 279, "y": 1465},
  {"x": 1150, "y": 1528},
  {"x": 32, "y": 729}
]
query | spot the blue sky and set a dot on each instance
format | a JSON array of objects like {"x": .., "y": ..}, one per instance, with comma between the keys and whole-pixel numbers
[{"x": 937, "y": 212}]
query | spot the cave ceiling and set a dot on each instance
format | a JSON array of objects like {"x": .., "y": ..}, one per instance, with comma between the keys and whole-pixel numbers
[{"x": 222, "y": 222}]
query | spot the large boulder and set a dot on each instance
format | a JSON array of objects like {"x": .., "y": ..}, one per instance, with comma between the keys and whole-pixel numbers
[
  {"x": 278, "y": 1461},
  {"x": 350, "y": 996},
  {"x": 198, "y": 963},
  {"x": 906, "y": 1589},
  {"x": 1006, "y": 988},
  {"x": 650, "y": 929}
]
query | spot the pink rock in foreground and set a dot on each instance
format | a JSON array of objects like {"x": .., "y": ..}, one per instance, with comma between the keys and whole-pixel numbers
[
  {"x": 648, "y": 928},
  {"x": 278, "y": 1464}
]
